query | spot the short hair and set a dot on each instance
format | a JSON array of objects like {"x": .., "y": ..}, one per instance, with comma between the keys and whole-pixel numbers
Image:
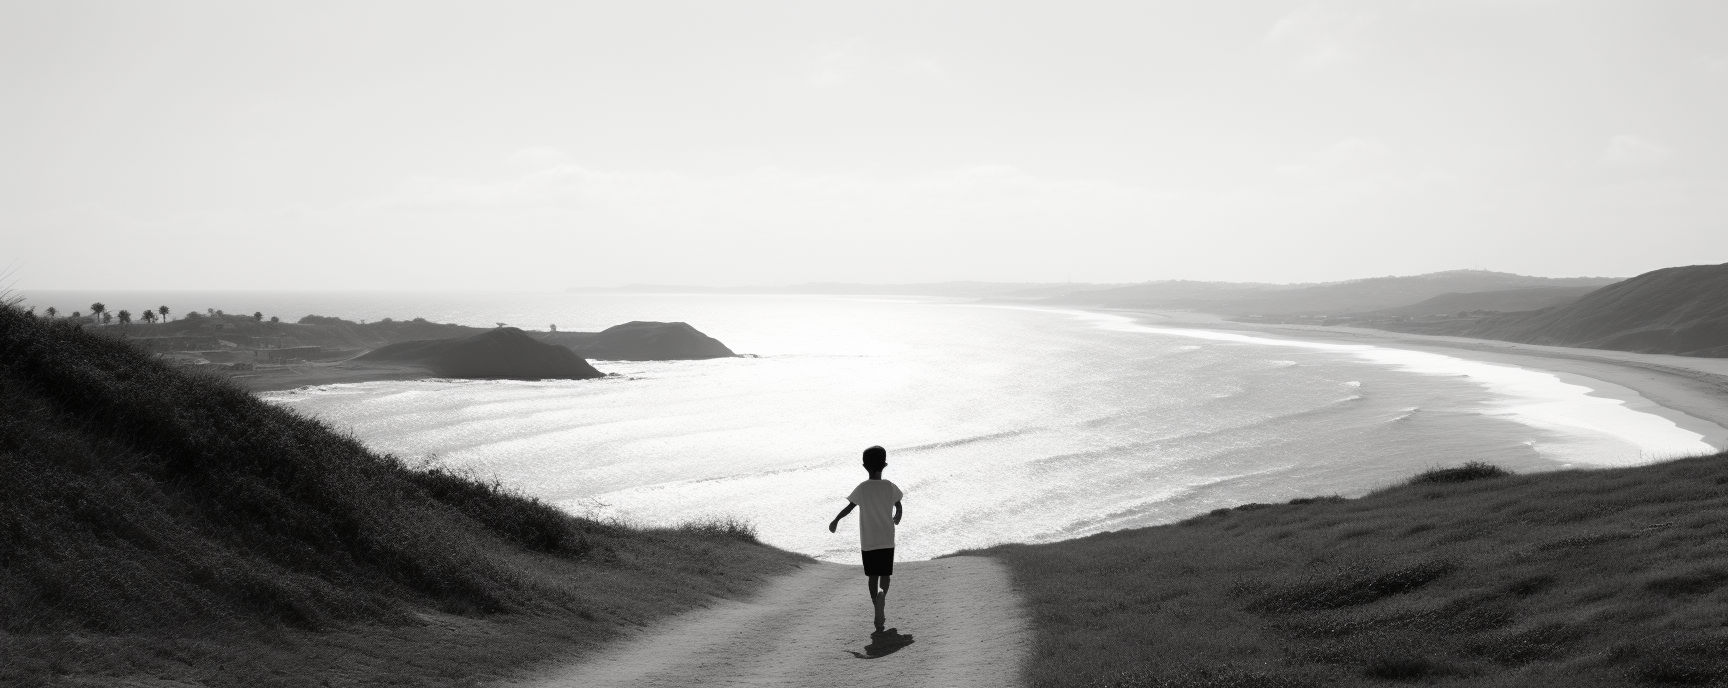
[{"x": 875, "y": 457}]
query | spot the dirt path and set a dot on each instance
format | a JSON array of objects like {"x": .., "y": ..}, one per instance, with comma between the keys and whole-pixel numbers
[{"x": 959, "y": 624}]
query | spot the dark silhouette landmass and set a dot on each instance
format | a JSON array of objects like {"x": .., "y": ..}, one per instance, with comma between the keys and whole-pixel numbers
[
  {"x": 642, "y": 341},
  {"x": 506, "y": 352},
  {"x": 1680, "y": 310},
  {"x": 161, "y": 525}
]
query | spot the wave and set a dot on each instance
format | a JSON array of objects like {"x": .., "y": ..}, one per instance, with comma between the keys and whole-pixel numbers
[{"x": 945, "y": 444}]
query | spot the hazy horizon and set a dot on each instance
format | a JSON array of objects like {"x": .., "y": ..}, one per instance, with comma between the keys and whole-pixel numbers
[{"x": 525, "y": 146}]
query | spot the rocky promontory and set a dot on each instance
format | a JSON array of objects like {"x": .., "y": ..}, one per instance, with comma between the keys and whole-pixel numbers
[{"x": 640, "y": 340}]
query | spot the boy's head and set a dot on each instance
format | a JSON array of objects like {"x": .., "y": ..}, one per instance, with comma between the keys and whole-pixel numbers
[{"x": 875, "y": 459}]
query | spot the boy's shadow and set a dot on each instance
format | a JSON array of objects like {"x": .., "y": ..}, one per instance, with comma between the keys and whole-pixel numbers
[{"x": 883, "y": 643}]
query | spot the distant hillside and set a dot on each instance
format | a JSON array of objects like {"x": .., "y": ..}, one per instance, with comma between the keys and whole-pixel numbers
[
  {"x": 340, "y": 338},
  {"x": 1681, "y": 310},
  {"x": 962, "y": 289},
  {"x": 1354, "y": 296},
  {"x": 164, "y": 527},
  {"x": 1505, "y": 301},
  {"x": 506, "y": 352},
  {"x": 642, "y": 341}
]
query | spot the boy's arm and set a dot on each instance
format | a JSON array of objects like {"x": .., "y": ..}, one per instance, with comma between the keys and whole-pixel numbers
[
  {"x": 834, "y": 524},
  {"x": 897, "y": 512}
]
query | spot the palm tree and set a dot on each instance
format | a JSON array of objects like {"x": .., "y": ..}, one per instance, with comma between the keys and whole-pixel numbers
[
  {"x": 107, "y": 317},
  {"x": 96, "y": 310},
  {"x": 257, "y": 316},
  {"x": 149, "y": 316},
  {"x": 125, "y": 317},
  {"x": 163, "y": 311},
  {"x": 52, "y": 311}
]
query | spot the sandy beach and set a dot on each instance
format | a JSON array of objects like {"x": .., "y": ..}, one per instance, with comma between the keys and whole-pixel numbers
[{"x": 1691, "y": 392}]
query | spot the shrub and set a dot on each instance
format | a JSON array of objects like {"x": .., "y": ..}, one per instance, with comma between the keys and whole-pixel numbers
[
  {"x": 1474, "y": 470},
  {"x": 722, "y": 526}
]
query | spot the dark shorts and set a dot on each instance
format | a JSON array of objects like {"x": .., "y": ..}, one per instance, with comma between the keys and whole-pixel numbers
[{"x": 879, "y": 562}]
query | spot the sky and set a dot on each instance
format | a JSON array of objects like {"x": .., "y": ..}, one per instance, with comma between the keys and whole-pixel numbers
[{"x": 529, "y": 146}]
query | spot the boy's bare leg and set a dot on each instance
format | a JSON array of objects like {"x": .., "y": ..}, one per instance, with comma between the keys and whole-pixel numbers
[{"x": 880, "y": 598}]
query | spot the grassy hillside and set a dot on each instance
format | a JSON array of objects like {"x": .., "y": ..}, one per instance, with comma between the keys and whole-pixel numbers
[
  {"x": 642, "y": 341},
  {"x": 505, "y": 352},
  {"x": 1463, "y": 577},
  {"x": 164, "y": 524},
  {"x": 1505, "y": 301},
  {"x": 1681, "y": 310}
]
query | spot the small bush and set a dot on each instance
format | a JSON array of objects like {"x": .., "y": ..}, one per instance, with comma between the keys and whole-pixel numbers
[
  {"x": 722, "y": 527},
  {"x": 1474, "y": 470}
]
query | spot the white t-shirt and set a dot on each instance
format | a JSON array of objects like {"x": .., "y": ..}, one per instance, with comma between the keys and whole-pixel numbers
[{"x": 875, "y": 500}]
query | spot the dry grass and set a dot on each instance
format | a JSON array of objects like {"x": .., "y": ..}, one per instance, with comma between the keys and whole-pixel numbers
[
  {"x": 1465, "y": 576},
  {"x": 161, "y": 524}
]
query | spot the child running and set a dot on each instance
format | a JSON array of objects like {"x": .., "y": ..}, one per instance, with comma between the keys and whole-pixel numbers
[{"x": 875, "y": 527}]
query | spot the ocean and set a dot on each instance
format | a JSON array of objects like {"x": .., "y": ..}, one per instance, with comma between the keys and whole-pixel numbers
[{"x": 1003, "y": 424}]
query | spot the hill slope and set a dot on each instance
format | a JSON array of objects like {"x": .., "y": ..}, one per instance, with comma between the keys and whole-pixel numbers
[
  {"x": 1573, "y": 579},
  {"x": 506, "y": 352},
  {"x": 1682, "y": 310},
  {"x": 642, "y": 341},
  {"x": 1372, "y": 294},
  {"x": 171, "y": 524},
  {"x": 1507, "y": 301}
]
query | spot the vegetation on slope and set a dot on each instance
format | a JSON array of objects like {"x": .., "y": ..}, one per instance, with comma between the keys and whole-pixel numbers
[
  {"x": 1465, "y": 576},
  {"x": 506, "y": 352},
  {"x": 164, "y": 523},
  {"x": 1353, "y": 296},
  {"x": 1681, "y": 310},
  {"x": 1503, "y": 301},
  {"x": 639, "y": 340}
]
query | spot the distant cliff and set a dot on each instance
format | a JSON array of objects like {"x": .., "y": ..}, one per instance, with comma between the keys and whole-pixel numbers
[
  {"x": 506, "y": 352},
  {"x": 642, "y": 341}
]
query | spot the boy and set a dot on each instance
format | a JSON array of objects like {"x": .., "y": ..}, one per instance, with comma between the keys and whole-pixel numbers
[{"x": 875, "y": 526}]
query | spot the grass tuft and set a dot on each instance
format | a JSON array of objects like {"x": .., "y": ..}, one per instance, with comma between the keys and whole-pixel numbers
[
  {"x": 727, "y": 527},
  {"x": 1473, "y": 470}
]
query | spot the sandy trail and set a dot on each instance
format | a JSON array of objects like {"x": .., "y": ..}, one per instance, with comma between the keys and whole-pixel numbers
[{"x": 959, "y": 624}]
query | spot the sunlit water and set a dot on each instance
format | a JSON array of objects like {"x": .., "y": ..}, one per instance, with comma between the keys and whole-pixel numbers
[{"x": 1002, "y": 424}]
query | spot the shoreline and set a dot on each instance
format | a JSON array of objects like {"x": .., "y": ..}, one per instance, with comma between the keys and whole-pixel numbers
[
  {"x": 290, "y": 377},
  {"x": 1690, "y": 392}
]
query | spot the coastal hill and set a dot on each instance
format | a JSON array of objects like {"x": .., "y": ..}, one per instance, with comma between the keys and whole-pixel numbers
[
  {"x": 339, "y": 338},
  {"x": 1505, "y": 301},
  {"x": 642, "y": 341},
  {"x": 1353, "y": 296},
  {"x": 1680, "y": 310},
  {"x": 167, "y": 527},
  {"x": 1225, "y": 298},
  {"x": 1465, "y": 576},
  {"x": 506, "y": 352}
]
